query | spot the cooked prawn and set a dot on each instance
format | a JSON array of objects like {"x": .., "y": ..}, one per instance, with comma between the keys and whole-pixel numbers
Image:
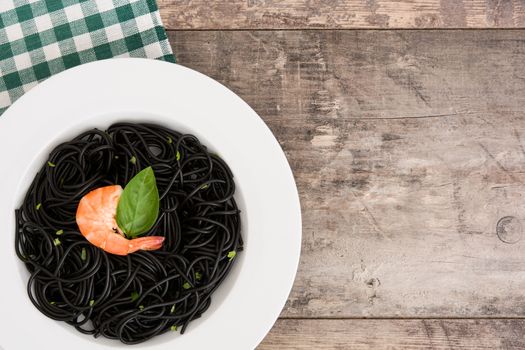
[{"x": 96, "y": 220}]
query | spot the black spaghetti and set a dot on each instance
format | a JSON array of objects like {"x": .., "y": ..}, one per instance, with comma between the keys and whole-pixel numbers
[{"x": 135, "y": 297}]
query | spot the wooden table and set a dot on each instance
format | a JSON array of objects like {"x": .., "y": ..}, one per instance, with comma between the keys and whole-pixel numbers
[{"x": 405, "y": 130}]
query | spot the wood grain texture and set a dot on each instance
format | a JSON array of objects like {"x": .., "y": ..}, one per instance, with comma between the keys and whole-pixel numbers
[
  {"x": 407, "y": 148},
  {"x": 300, "y": 14},
  {"x": 395, "y": 334}
]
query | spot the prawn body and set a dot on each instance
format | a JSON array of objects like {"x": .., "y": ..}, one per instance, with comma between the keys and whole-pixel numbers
[{"x": 96, "y": 219}]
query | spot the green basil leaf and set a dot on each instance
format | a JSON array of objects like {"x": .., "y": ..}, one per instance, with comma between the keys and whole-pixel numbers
[{"x": 138, "y": 206}]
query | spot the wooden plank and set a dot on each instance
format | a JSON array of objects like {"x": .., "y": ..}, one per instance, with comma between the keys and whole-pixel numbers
[
  {"x": 300, "y": 14},
  {"x": 395, "y": 334},
  {"x": 408, "y": 149}
]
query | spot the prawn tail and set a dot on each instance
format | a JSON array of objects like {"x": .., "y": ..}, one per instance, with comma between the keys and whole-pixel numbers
[{"x": 145, "y": 243}]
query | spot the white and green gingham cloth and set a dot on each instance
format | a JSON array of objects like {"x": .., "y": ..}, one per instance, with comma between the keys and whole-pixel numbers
[{"x": 39, "y": 38}]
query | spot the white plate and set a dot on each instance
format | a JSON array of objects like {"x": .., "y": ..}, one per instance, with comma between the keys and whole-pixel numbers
[{"x": 98, "y": 94}]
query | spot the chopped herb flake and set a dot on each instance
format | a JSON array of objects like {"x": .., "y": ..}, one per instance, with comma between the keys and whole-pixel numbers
[
  {"x": 133, "y": 160},
  {"x": 52, "y": 165},
  {"x": 186, "y": 285},
  {"x": 57, "y": 242},
  {"x": 178, "y": 155},
  {"x": 52, "y": 303},
  {"x": 232, "y": 254},
  {"x": 59, "y": 232},
  {"x": 172, "y": 310},
  {"x": 204, "y": 187},
  {"x": 141, "y": 307},
  {"x": 91, "y": 302},
  {"x": 198, "y": 276},
  {"x": 83, "y": 254},
  {"x": 38, "y": 206},
  {"x": 134, "y": 296},
  {"x": 170, "y": 140},
  {"x": 174, "y": 328}
]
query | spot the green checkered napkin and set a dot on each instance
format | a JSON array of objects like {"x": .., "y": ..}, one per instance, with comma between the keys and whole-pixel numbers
[{"x": 39, "y": 38}]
